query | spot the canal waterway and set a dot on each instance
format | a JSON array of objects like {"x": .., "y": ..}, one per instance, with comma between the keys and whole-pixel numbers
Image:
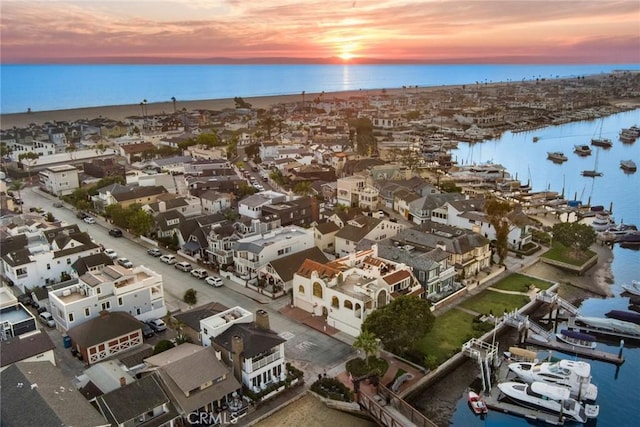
[{"x": 618, "y": 390}]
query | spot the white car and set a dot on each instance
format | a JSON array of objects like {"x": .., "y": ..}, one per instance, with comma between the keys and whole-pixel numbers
[
  {"x": 199, "y": 273},
  {"x": 111, "y": 253},
  {"x": 89, "y": 220},
  {"x": 168, "y": 259},
  {"x": 125, "y": 262},
  {"x": 214, "y": 281}
]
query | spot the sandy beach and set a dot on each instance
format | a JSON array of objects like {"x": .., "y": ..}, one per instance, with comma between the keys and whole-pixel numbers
[{"x": 119, "y": 112}]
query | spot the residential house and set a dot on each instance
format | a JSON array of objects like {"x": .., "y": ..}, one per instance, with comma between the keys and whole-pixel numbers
[
  {"x": 33, "y": 256},
  {"x": 364, "y": 228},
  {"x": 59, "y": 180},
  {"x": 137, "y": 291},
  {"x": 189, "y": 321},
  {"x": 172, "y": 165},
  {"x": 34, "y": 347},
  {"x": 38, "y": 394},
  {"x": 15, "y": 319},
  {"x": 135, "y": 152},
  {"x": 211, "y": 388},
  {"x": 102, "y": 168},
  {"x": 301, "y": 211},
  {"x": 420, "y": 209},
  {"x": 213, "y": 201},
  {"x": 276, "y": 276},
  {"x": 251, "y": 206},
  {"x": 324, "y": 235},
  {"x": 105, "y": 196},
  {"x": 354, "y": 191},
  {"x": 253, "y": 252},
  {"x": 345, "y": 291},
  {"x": 105, "y": 336},
  {"x": 192, "y": 233},
  {"x": 222, "y": 183},
  {"x": 139, "y": 195},
  {"x": 188, "y": 206},
  {"x": 168, "y": 223},
  {"x": 255, "y": 351},
  {"x": 142, "y": 402}
]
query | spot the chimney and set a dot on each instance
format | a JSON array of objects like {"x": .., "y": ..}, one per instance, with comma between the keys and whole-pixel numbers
[
  {"x": 237, "y": 349},
  {"x": 123, "y": 381},
  {"x": 104, "y": 314},
  {"x": 262, "y": 320}
]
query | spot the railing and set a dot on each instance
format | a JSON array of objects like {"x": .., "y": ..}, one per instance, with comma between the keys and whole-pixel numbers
[{"x": 265, "y": 361}]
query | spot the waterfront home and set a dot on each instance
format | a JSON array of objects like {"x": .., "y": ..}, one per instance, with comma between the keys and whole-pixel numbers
[
  {"x": 346, "y": 290},
  {"x": 363, "y": 228}
]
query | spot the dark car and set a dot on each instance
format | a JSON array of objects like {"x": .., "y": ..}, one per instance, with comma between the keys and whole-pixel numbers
[
  {"x": 25, "y": 299},
  {"x": 147, "y": 330},
  {"x": 115, "y": 232},
  {"x": 82, "y": 215}
]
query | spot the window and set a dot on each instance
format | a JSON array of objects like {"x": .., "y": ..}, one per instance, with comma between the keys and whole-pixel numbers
[
  {"x": 301, "y": 290},
  {"x": 21, "y": 272},
  {"x": 70, "y": 317},
  {"x": 68, "y": 261},
  {"x": 119, "y": 300},
  {"x": 98, "y": 290},
  {"x": 335, "y": 303},
  {"x": 317, "y": 290},
  {"x": 87, "y": 312},
  {"x": 106, "y": 305},
  {"x": 348, "y": 304},
  {"x": 48, "y": 266}
]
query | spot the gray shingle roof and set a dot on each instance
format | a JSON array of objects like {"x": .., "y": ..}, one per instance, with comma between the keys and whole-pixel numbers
[
  {"x": 256, "y": 340},
  {"x": 103, "y": 328},
  {"x": 19, "y": 348},
  {"x": 287, "y": 266}
]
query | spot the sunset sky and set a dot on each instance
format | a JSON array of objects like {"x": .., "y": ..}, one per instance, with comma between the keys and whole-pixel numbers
[{"x": 551, "y": 31}]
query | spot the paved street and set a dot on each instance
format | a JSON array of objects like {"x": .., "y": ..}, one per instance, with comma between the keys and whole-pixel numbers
[{"x": 310, "y": 350}]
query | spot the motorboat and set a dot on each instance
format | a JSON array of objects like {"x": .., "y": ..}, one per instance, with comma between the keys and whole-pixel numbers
[
  {"x": 630, "y": 240},
  {"x": 552, "y": 398},
  {"x": 602, "y": 142},
  {"x": 602, "y": 222},
  {"x": 582, "y": 150},
  {"x": 622, "y": 229},
  {"x": 557, "y": 156},
  {"x": 610, "y": 325},
  {"x": 627, "y": 316},
  {"x": 575, "y": 375},
  {"x": 477, "y": 404},
  {"x": 633, "y": 288},
  {"x": 628, "y": 165},
  {"x": 577, "y": 339}
]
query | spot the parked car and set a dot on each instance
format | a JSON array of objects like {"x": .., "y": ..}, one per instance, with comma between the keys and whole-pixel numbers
[
  {"x": 89, "y": 220},
  {"x": 125, "y": 263},
  {"x": 82, "y": 215},
  {"x": 111, "y": 253},
  {"x": 183, "y": 266},
  {"x": 168, "y": 259},
  {"x": 155, "y": 252},
  {"x": 25, "y": 299},
  {"x": 42, "y": 309},
  {"x": 214, "y": 281},
  {"x": 199, "y": 273},
  {"x": 57, "y": 204},
  {"x": 157, "y": 325},
  {"x": 147, "y": 330},
  {"x": 115, "y": 232},
  {"x": 47, "y": 319}
]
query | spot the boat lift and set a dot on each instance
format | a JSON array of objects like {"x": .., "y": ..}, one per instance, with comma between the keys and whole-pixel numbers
[{"x": 483, "y": 353}]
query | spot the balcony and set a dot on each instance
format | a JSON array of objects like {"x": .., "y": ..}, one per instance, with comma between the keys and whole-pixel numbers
[{"x": 265, "y": 361}]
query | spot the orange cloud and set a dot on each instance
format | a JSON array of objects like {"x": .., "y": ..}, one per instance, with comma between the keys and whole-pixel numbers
[{"x": 84, "y": 30}]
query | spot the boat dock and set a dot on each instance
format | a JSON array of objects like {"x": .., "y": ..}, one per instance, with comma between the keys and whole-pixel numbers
[
  {"x": 495, "y": 403},
  {"x": 588, "y": 353}
]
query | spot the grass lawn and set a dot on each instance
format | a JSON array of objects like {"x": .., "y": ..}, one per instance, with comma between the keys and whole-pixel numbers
[
  {"x": 520, "y": 283},
  {"x": 495, "y": 302},
  {"x": 560, "y": 252},
  {"x": 449, "y": 332}
]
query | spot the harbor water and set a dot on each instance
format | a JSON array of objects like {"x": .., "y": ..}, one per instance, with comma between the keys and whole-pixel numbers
[{"x": 618, "y": 397}]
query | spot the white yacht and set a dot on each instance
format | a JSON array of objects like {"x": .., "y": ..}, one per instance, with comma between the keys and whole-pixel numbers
[
  {"x": 610, "y": 325},
  {"x": 549, "y": 397},
  {"x": 574, "y": 375}
]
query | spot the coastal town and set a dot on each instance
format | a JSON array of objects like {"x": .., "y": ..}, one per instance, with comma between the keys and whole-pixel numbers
[{"x": 318, "y": 258}]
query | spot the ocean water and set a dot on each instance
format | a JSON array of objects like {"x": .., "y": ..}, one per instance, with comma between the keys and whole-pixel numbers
[
  {"x": 55, "y": 87},
  {"x": 617, "y": 395}
]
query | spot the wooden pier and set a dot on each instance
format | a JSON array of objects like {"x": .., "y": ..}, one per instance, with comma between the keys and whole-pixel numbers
[{"x": 588, "y": 353}]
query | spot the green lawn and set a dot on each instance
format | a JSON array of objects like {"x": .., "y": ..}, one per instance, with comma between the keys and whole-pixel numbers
[
  {"x": 561, "y": 253},
  {"x": 495, "y": 302},
  {"x": 449, "y": 332},
  {"x": 520, "y": 283}
]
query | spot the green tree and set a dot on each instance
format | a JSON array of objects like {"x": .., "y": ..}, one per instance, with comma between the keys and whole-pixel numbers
[
  {"x": 368, "y": 343},
  {"x": 303, "y": 188},
  {"x": 232, "y": 148},
  {"x": 118, "y": 215},
  {"x": 497, "y": 212},
  {"x": 30, "y": 159},
  {"x": 574, "y": 235},
  {"x": 17, "y": 186},
  {"x": 140, "y": 222},
  {"x": 190, "y": 296},
  {"x": 252, "y": 150},
  {"x": 277, "y": 177},
  {"x": 244, "y": 190},
  {"x": 209, "y": 139},
  {"x": 401, "y": 324},
  {"x": 163, "y": 345},
  {"x": 267, "y": 123},
  {"x": 364, "y": 138},
  {"x": 5, "y": 151}
]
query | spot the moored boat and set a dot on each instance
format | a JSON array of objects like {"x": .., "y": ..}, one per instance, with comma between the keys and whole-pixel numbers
[
  {"x": 582, "y": 150},
  {"x": 575, "y": 375},
  {"x": 549, "y": 397},
  {"x": 602, "y": 142},
  {"x": 477, "y": 404},
  {"x": 628, "y": 165},
  {"x": 627, "y": 316},
  {"x": 602, "y": 222},
  {"x": 557, "y": 156},
  {"x": 633, "y": 288},
  {"x": 576, "y": 338},
  {"x": 610, "y": 325}
]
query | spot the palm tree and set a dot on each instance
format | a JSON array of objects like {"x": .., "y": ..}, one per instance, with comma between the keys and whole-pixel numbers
[
  {"x": 368, "y": 343},
  {"x": 173, "y": 99},
  {"x": 30, "y": 158},
  {"x": 303, "y": 188}
]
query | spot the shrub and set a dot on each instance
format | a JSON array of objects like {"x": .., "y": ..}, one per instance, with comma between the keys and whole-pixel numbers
[
  {"x": 190, "y": 296},
  {"x": 358, "y": 367},
  {"x": 162, "y": 345},
  {"x": 332, "y": 389}
]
